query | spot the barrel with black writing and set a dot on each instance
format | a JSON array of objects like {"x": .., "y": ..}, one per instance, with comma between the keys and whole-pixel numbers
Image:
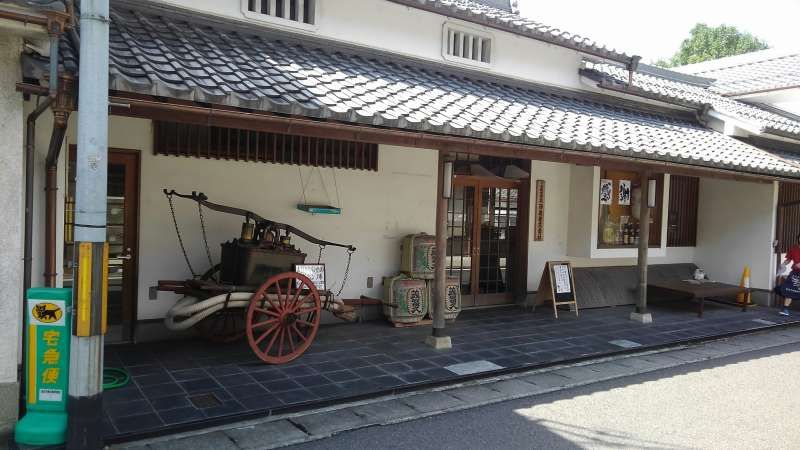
[
  {"x": 405, "y": 299},
  {"x": 452, "y": 299},
  {"x": 418, "y": 255}
]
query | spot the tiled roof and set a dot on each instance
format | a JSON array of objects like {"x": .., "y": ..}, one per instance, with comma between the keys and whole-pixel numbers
[
  {"x": 44, "y": 5},
  {"x": 689, "y": 94},
  {"x": 165, "y": 53},
  {"x": 472, "y": 11},
  {"x": 754, "y": 72}
]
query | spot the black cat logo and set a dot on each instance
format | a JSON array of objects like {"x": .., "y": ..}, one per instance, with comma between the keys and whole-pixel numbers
[{"x": 47, "y": 312}]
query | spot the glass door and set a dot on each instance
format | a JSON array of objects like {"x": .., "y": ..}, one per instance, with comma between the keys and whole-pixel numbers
[
  {"x": 121, "y": 233},
  {"x": 482, "y": 232}
]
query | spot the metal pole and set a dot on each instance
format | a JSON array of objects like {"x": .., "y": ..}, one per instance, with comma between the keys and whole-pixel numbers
[
  {"x": 438, "y": 339},
  {"x": 90, "y": 287},
  {"x": 644, "y": 241}
]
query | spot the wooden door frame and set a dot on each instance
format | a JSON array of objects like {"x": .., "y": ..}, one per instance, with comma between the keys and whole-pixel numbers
[
  {"x": 133, "y": 185},
  {"x": 519, "y": 270}
]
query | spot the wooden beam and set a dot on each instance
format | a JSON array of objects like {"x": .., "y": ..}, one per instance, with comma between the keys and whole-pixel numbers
[
  {"x": 644, "y": 241},
  {"x": 437, "y": 303}
]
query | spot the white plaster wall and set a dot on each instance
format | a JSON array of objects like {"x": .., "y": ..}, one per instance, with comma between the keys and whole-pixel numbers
[
  {"x": 556, "y": 217},
  {"x": 409, "y": 31},
  {"x": 571, "y": 223},
  {"x": 378, "y": 209},
  {"x": 11, "y": 197},
  {"x": 736, "y": 227}
]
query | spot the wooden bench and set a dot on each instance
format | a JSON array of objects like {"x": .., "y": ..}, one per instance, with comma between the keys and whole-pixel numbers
[{"x": 700, "y": 290}]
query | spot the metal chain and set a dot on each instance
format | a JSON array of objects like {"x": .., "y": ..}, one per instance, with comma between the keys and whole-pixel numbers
[
  {"x": 346, "y": 272},
  {"x": 205, "y": 239},
  {"x": 319, "y": 257},
  {"x": 180, "y": 239}
]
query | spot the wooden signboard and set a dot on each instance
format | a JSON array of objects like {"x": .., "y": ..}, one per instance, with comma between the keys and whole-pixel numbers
[
  {"x": 558, "y": 285},
  {"x": 538, "y": 218}
]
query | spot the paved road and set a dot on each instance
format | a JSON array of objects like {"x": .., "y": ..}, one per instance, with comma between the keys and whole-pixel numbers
[{"x": 748, "y": 401}]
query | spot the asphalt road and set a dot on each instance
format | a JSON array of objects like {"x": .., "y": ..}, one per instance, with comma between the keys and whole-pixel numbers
[{"x": 748, "y": 401}]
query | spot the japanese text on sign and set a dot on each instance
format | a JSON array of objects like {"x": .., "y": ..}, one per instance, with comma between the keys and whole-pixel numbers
[{"x": 562, "y": 282}]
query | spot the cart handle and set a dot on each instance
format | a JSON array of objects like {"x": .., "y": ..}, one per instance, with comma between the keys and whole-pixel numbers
[{"x": 202, "y": 199}]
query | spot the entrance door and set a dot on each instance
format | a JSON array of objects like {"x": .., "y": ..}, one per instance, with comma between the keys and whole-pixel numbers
[
  {"x": 483, "y": 245},
  {"x": 122, "y": 235}
]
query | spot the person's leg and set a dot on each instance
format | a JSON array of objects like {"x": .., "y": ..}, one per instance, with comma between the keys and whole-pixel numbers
[{"x": 786, "y": 303}]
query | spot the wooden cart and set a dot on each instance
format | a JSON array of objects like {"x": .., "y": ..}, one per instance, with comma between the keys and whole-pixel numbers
[{"x": 255, "y": 291}]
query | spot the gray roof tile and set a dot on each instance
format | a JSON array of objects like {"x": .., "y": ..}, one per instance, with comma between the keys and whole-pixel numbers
[
  {"x": 311, "y": 78},
  {"x": 755, "y": 72},
  {"x": 688, "y": 94}
]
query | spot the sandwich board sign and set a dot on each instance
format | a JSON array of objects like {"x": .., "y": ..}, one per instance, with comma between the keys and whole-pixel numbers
[
  {"x": 558, "y": 285},
  {"x": 48, "y": 313}
]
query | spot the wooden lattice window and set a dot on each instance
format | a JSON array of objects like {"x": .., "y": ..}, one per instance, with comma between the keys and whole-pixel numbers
[
  {"x": 788, "y": 215},
  {"x": 177, "y": 139},
  {"x": 463, "y": 44},
  {"x": 682, "y": 212},
  {"x": 301, "y": 11}
]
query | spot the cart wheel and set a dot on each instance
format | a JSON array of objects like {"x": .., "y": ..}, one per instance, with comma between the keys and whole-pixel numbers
[
  {"x": 223, "y": 327},
  {"x": 283, "y": 318}
]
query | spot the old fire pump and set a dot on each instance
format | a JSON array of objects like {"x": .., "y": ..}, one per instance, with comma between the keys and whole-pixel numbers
[{"x": 255, "y": 290}]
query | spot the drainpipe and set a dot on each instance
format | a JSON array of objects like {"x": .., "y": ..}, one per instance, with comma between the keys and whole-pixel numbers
[
  {"x": 84, "y": 430},
  {"x": 51, "y": 189},
  {"x": 60, "y": 117},
  {"x": 30, "y": 162}
]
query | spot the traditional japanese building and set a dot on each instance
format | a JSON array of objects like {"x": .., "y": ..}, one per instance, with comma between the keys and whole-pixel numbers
[{"x": 553, "y": 139}]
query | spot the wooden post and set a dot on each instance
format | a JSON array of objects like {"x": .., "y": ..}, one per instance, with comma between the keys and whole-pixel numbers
[
  {"x": 438, "y": 339},
  {"x": 644, "y": 242}
]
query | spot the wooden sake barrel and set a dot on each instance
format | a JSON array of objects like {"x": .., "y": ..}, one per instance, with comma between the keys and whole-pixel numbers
[
  {"x": 452, "y": 301},
  {"x": 405, "y": 299},
  {"x": 418, "y": 255}
]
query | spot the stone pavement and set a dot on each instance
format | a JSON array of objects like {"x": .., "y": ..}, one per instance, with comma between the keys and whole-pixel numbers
[
  {"x": 188, "y": 384},
  {"x": 281, "y": 431}
]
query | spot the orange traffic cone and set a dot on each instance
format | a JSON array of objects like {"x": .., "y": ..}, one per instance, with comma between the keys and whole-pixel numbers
[{"x": 744, "y": 297}]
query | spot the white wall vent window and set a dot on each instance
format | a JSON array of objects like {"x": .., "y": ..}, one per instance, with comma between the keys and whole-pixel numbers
[
  {"x": 300, "y": 11},
  {"x": 466, "y": 46}
]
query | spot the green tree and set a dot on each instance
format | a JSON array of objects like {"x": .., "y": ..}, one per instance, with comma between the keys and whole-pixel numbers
[{"x": 706, "y": 43}]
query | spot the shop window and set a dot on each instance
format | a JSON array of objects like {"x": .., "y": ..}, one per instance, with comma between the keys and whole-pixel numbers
[
  {"x": 201, "y": 141},
  {"x": 682, "y": 211},
  {"x": 620, "y": 199}
]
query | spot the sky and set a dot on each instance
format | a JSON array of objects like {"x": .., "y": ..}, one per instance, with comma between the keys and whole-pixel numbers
[{"x": 655, "y": 29}]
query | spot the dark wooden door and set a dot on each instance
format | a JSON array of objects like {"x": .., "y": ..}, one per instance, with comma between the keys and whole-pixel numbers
[
  {"x": 484, "y": 245},
  {"x": 123, "y": 237}
]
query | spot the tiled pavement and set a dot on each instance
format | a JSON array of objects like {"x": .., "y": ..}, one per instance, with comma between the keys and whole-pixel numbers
[{"x": 171, "y": 380}]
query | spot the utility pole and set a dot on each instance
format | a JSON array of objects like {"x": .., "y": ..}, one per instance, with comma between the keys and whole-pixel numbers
[{"x": 84, "y": 430}]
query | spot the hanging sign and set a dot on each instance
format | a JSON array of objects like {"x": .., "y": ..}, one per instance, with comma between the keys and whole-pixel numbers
[
  {"x": 624, "y": 193},
  {"x": 314, "y": 272},
  {"x": 606, "y": 191},
  {"x": 538, "y": 221},
  {"x": 48, "y": 321},
  {"x": 558, "y": 285}
]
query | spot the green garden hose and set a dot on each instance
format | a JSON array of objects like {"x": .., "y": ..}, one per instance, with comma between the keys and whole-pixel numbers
[{"x": 114, "y": 378}]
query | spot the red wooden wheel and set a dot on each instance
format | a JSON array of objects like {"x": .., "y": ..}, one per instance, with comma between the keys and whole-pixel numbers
[{"x": 283, "y": 318}]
